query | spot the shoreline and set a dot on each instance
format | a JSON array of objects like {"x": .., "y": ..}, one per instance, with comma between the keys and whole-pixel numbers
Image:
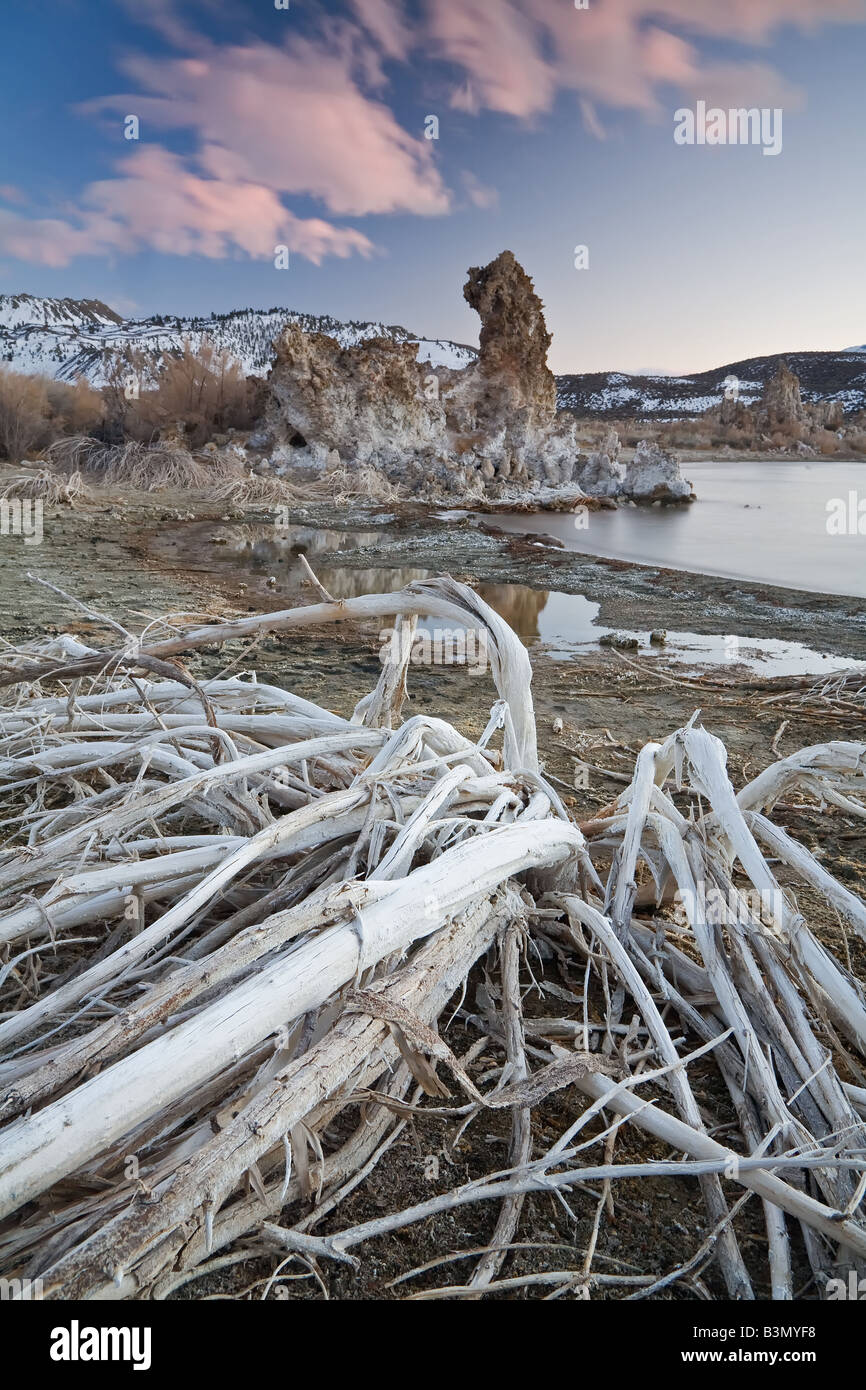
[
  {"x": 631, "y": 594},
  {"x": 130, "y": 552}
]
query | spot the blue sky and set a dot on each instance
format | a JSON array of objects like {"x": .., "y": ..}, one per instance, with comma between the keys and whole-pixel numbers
[{"x": 305, "y": 127}]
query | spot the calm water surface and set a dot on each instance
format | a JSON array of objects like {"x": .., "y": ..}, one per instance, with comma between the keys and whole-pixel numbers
[
  {"x": 765, "y": 522},
  {"x": 761, "y": 522}
]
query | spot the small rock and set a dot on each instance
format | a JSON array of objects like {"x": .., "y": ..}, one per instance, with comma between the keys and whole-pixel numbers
[{"x": 653, "y": 476}]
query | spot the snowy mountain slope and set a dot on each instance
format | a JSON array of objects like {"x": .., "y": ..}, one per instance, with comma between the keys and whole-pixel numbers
[
  {"x": 69, "y": 338},
  {"x": 824, "y": 376}
]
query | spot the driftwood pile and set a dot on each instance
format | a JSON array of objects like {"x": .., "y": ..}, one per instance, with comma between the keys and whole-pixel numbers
[{"x": 234, "y": 929}]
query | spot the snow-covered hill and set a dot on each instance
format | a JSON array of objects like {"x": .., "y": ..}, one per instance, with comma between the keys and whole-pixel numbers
[
  {"x": 74, "y": 337},
  {"x": 67, "y": 338},
  {"x": 824, "y": 376}
]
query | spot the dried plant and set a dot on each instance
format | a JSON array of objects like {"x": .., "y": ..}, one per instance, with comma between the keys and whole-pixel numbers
[
  {"x": 51, "y": 487},
  {"x": 292, "y": 899}
]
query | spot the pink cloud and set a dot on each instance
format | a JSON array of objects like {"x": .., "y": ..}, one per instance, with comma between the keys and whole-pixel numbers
[
  {"x": 480, "y": 195},
  {"x": 307, "y": 118},
  {"x": 385, "y": 23},
  {"x": 498, "y": 49},
  {"x": 293, "y": 119},
  {"x": 747, "y": 20},
  {"x": 514, "y": 57},
  {"x": 269, "y": 122},
  {"x": 157, "y": 203},
  {"x": 43, "y": 240}
]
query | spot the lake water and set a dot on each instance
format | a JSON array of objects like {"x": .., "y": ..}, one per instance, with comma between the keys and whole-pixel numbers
[
  {"x": 765, "y": 522},
  {"x": 567, "y": 624},
  {"x": 266, "y": 562}
]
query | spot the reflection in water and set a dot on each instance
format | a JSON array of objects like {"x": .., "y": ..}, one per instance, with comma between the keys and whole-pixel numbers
[
  {"x": 265, "y": 546},
  {"x": 519, "y": 606},
  {"x": 346, "y": 583},
  {"x": 264, "y": 563}
]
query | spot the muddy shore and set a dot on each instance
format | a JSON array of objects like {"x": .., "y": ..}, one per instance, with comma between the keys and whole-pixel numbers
[
  {"x": 141, "y": 552},
  {"x": 140, "y": 556}
]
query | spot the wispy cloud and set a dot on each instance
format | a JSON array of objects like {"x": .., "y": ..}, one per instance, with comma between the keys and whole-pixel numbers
[
  {"x": 499, "y": 49},
  {"x": 309, "y": 117},
  {"x": 268, "y": 123},
  {"x": 480, "y": 195},
  {"x": 385, "y": 23},
  {"x": 156, "y": 203},
  {"x": 294, "y": 119},
  {"x": 514, "y": 56}
]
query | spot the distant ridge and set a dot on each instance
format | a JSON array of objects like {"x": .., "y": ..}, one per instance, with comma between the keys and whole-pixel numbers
[
  {"x": 824, "y": 376},
  {"x": 67, "y": 338},
  {"x": 80, "y": 337}
]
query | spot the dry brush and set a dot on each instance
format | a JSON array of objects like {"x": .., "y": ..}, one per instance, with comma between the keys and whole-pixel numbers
[{"x": 234, "y": 927}]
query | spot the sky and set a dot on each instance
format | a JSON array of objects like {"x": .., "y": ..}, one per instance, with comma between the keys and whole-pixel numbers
[{"x": 306, "y": 125}]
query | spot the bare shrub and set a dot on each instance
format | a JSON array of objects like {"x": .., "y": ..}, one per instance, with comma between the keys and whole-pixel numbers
[
  {"x": 124, "y": 374},
  {"x": 205, "y": 391},
  {"x": 142, "y": 467},
  {"x": 340, "y": 485},
  {"x": 75, "y": 408},
  {"x": 697, "y": 433},
  {"x": 827, "y": 442},
  {"x": 34, "y": 410},
  {"x": 739, "y": 438},
  {"x": 364, "y": 484},
  {"x": 253, "y": 489},
  {"x": 23, "y": 413},
  {"x": 147, "y": 469},
  {"x": 76, "y": 452},
  {"x": 48, "y": 486}
]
